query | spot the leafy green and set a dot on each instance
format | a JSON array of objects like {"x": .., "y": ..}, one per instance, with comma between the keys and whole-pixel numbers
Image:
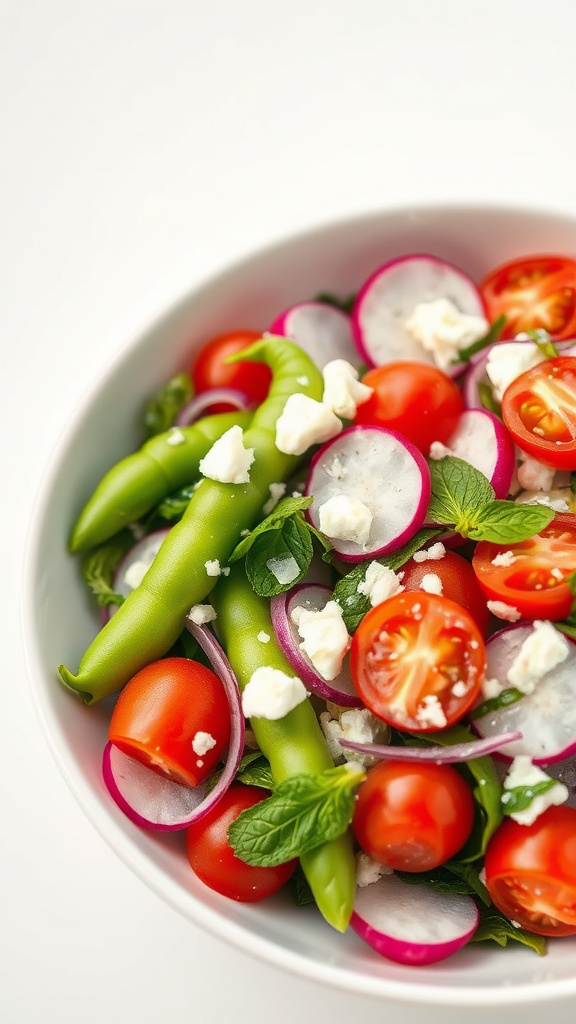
[
  {"x": 346, "y": 305},
  {"x": 303, "y": 812},
  {"x": 99, "y": 566},
  {"x": 174, "y": 505},
  {"x": 285, "y": 509},
  {"x": 163, "y": 408},
  {"x": 486, "y": 396},
  {"x": 504, "y": 699},
  {"x": 493, "y": 334},
  {"x": 301, "y": 891},
  {"x": 503, "y": 522},
  {"x": 355, "y": 605},
  {"x": 252, "y": 764},
  {"x": 273, "y": 553},
  {"x": 461, "y": 879},
  {"x": 519, "y": 798},
  {"x": 544, "y": 342},
  {"x": 495, "y": 927}
]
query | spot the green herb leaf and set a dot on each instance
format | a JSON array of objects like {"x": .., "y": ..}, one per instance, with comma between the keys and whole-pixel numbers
[
  {"x": 465, "y": 354},
  {"x": 461, "y": 879},
  {"x": 458, "y": 491},
  {"x": 494, "y": 927},
  {"x": 163, "y": 408},
  {"x": 269, "y": 553},
  {"x": 486, "y": 396},
  {"x": 100, "y": 564},
  {"x": 249, "y": 759},
  {"x": 504, "y": 522},
  {"x": 303, "y": 812},
  {"x": 354, "y": 605},
  {"x": 285, "y": 509},
  {"x": 519, "y": 798},
  {"x": 346, "y": 305},
  {"x": 256, "y": 773},
  {"x": 301, "y": 891},
  {"x": 174, "y": 506},
  {"x": 544, "y": 342},
  {"x": 503, "y": 700}
]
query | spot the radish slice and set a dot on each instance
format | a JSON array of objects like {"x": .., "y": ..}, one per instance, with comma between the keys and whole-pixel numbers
[
  {"x": 339, "y": 690},
  {"x": 387, "y": 299},
  {"x": 198, "y": 405},
  {"x": 546, "y": 717},
  {"x": 482, "y": 440},
  {"x": 131, "y": 569},
  {"x": 439, "y": 755},
  {"x": 324, "y": 332},
  {"x": 477, "y": 375},
  {"x": 412, "y": 924},
  {"x": 382, "y": 470}
]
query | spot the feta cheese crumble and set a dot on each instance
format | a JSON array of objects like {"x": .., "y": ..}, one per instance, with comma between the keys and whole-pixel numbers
[
  {"x": 523, "y": 773},
  {"x": 175, "y": 436},
  {"x": 325, "y": 639},
  {"x": 345, "y": 517},
  {"x": 201, "y": 614},
  {"x": 228, "y": 461},
  {"x": 431, "y": 712},
  {"x": 212, "y": 567},
  {"x": 380, "y": 583},
  {"x": 304, "y": 422},
  {"x": 271, "y": 694},
  {"x": 442, "y": 329},
  {"x": 343, "y": 392},
  {"x": 433, "y": 553},
  {"x": 508, "y": 360},
  {"x": 431, "y": 583},
  {"x": 202, "y": 742},
  {"x": 277, "y": 491},
  {"x": 369, "y": 870},
  {"x": 503, "y": 611},
  {"x": 439, "y": 451},
  {"x": 358, "y": 725},
  {"x": 491, "y": 688},
  {"x": 533, "y": 475},
  {"x": 263, "y": 637},
  {"x": 504, "y": 558},
  {"x": 542, "y": 650}
]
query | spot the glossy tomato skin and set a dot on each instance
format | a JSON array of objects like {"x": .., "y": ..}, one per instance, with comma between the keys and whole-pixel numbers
[
  {"x": 213, "y": 860},
  {"x": 533, "y": 292},
  {"x": 531, "y": 872},
  {"x": 160, "y": 711},
  {"x": 209, "y": 369},
  {"x": 531, "y": 582},
  {"x": 416, "y": 399},
  {"x": 539, "y": 409},
  {"x": 413, "y": 817},
  {"x": 458, "y": 581},
  {"x": 415, "y": 648}
]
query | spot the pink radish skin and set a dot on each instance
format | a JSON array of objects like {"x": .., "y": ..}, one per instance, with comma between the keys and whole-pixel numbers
[
  {"x": 340, "y": 690},
  {"x": 412, "y": 924},
  {"x": 382, "y": 469},
  {"x": 323, "y": 331},
  {"x": 546, "y": 717},
  {"x": 387, "y": 299},
  {"x": 482, "y": 440}
]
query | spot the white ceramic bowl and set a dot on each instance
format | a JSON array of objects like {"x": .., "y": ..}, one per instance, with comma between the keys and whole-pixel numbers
[{"x": 60, "y": 622}]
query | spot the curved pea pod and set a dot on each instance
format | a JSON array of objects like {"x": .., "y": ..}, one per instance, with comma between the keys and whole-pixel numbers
[
  {"x": 294, "y": 744},
  {"x": 142, "y": 479}
]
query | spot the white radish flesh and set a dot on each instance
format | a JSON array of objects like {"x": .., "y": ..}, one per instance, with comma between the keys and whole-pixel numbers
[
  {"x": 323, "y": 331},
  {"x": 482, "y": 440},
  {"x": 145, "y": 796},
  {"x": 412, "y": 924},
  {"x": 385, "y": 472}
]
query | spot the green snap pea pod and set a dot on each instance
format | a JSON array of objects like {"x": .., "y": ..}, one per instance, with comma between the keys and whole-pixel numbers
[
  {"x": 294, "y": 744},
  {"x": 152, "y": 616},
  {"x": 141, "y": 480}
]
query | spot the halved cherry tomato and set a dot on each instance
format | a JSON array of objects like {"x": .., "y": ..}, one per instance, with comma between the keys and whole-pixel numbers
[
  {"x": 534, "y": 292},
  {"x": 458, "y": 581},
  {"x": 539, "y": 409},
  {"x": 160, "y": 712},
  {"x": 213, "y": 860},
  {"x": 417, "y": 661},
  {"x": 209, "y": 369},
  {"x": 413, "y": 817},
  {"x": 416, "y": 399},
  {"x": 530, "y": 872},
  {"x": 535, "y": 582}
]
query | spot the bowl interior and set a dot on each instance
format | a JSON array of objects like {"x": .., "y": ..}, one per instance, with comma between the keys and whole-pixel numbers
[{"x": 60, "y": 622}]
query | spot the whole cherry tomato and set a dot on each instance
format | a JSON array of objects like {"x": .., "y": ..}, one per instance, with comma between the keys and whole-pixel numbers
[
  {"x": 458, "y": 581},
  {"x": 209, "y": 369}
]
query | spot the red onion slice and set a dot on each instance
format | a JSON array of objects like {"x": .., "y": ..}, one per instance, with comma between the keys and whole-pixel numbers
[
  {"x": 439, "y": 755},
  {"x": 313, "y": 597},
  {"x": 198, "y": 405}
]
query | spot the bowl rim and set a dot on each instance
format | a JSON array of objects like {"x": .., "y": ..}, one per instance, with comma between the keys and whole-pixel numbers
[{"x": 235, "y": 934}]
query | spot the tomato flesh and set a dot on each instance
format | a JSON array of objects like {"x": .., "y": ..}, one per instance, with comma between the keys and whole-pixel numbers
[
  {"x": 458, "y": 581},
  {"x": 532, "y": 293},
  {"x": 415, "y": 651},
  {"x": 535, "y": 583},
  {"x": 530, "y": 872},
  {"x": 539, "y": 409},
  {"x": 210, "y": 370}
]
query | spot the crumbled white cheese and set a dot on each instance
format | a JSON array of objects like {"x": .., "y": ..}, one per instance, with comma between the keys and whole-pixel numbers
[
  {"x": 380, "y": 583},
  {"x": 304, "y": 422},
  {"x": 491, "y": 688},
  {"x": 542, "y": 650},
  {"x": 212, "y": 567},
  {"x": 303, "y": 381},
  {"x": 534, "y": 475},
  {"x": 557, "y": 573},
  {"x": 431, "y": 583},
  {"x": 439, "y": 451},
  {"x": 345, "y": 517},
  {"x": 504, "y": 558},
  {"x": 228, "y": 461},
  {"x": 202, "y": 742},
  {"x": 202, "y": 613},
  {"x": 525, "y": 774},
  {"x": 271, "y": 694},
  {"x": 508, "y": 360},
  {"x": 459, "y": 689},
  {"x": 263, "y": 637},
  {"x": 357, "y": 725},
  {"x": 335, "y": 469},
  {"x": 277, "y": 491},
  {"x": 431, "y": 712},
  {"x": 560, "y": 499},
  {"x": 135, "y": 573},
  {"x": 442, "y": 329},
  {"x": 433, "y": 553},
  {"x": 369, "y": 870},
  {"x": 284, "y": 569},
  {"x": 503, "y": 611},
  {"x": 175, "y": 436},
  {"x": 325, "y": 639},
  {"x": 343, "y": 392}
]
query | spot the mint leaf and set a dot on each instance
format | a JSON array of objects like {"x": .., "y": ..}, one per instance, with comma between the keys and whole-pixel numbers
[
  {"x": 290, "y": 546},
  {"x": 519, "y": 798},
  {"x": 163, "y": 408},
  {"x": 354, "y": 605},
  {"x": 256, "y": 773},
  {"x": 303, "y": 812},
  {"x": 504, "y": 522},
  {"x": 346, "y": 305},
  {"x": 494, "y": 927},
  {"x": 301, "y": 891},
  {"x": 285, "y": 508},
  {"x": 493, "y": 334},
  {"x": 99, "y": 567},
  {"x": 503, "y": 700},
  {"x": 458, "y": 491},
  {"x": 461, "y": 879}
]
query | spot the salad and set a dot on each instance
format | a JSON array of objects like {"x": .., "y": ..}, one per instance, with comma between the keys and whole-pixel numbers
[{"x": 337, "y": 597}]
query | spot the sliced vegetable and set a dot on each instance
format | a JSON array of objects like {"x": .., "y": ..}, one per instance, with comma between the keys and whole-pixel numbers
[
  {"x": 482, "y": 440},
  {"x": 211, "y": 368},
  {"x": 221, "y": 398},
  {"x": 438, "y": 755},
  {"x": 539, "y": 409},
  {"x": 134, "y": 565},
  {"x": 533, "y": 292},
  {"x": 454, "y": 578},
  {"x": 322, "y": 330},
  {"x": 147, "y": 798}
]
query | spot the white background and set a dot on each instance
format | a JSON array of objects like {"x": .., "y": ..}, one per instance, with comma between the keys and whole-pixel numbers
[{"x": 143, "y": 146}]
